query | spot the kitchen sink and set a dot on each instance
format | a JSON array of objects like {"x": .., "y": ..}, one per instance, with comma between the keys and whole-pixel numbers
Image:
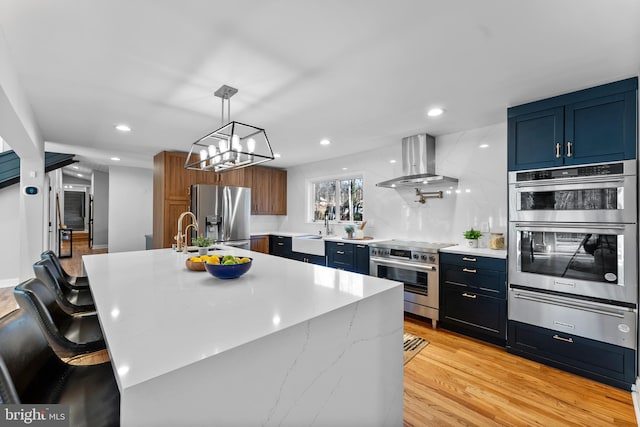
[{"x": 312, "y": 244}]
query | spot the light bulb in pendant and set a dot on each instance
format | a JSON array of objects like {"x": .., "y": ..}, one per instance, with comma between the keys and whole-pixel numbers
[
  {"x": 251, "y": 145},
  {"x": 235, "y": 142},
  {"x": 203, "y": 158},
  {"x": 212, "y": 154},
  {"x": 223, "y": 145}
]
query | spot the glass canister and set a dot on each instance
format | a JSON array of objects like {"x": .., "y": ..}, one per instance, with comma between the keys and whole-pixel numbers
[{"x": 496, "y": 241}]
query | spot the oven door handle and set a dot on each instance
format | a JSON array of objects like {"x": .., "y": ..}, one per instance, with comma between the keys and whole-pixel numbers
[
  {"x": 560, "y": 182},
  {"x": 388, "y": 263},
  {"x": 593, "y": 307},
  {"x": 588, "y": 227}
]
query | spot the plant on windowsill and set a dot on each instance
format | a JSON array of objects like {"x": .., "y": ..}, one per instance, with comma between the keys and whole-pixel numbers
[
  {"x": 202, "y": 243},
  {"x": 472, "y": 237},
  {"x": 349, "y": 230}
]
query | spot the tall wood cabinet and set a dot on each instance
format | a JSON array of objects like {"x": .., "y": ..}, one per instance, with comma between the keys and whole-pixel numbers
[
  {"x": 172, "y": 185},
  {"x": 268, "y": 191}
]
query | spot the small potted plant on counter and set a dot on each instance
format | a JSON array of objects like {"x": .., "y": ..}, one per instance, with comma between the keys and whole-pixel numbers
[
  {"x": 203, "y": 244},
  {"x": 349, "y": 230},
  {"x": 472, "y": 237}
]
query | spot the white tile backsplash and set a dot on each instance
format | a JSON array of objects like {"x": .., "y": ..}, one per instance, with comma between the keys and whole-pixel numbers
[{"x": 481, "y": 202}]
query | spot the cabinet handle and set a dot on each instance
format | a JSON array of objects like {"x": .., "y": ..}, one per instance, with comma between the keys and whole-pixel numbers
[
  {"x": 280, "y": 244},
  {"x": 569, "y": 144},
  {"x": 360, "y": 246},
  {"x": 466, "y": 295},
  {"x": 469, "y": 270},
  {"x": 340, "y": 244},
  {"x": 558, "y": 337},
  {"x": 340, "y": 252},
  {"x": 558, "y": 154},
  {"x": 469, "y": 259}
]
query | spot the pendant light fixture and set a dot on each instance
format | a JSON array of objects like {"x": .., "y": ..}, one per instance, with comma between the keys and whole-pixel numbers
[{"x": 232, "y": 146}]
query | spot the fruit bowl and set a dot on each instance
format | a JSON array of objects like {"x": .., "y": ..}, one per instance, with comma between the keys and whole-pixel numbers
[
  {"x": 195, "y": 265},
  {"x": 228, "y": 271}
]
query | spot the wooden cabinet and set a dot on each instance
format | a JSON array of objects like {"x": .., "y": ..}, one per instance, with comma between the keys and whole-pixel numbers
[
  {"x": 268, "y": 191},
  {"x": 260, "y": 244},
  {"x": 589, "y": 126},
  {"x": 172, "y": 186},
  {"x": 348, "y": 256},
  {"x": 473, "y": 298},
  {"x": 607, "y": 363}
]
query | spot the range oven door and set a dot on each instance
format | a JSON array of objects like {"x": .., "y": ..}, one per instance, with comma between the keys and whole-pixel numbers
[
  {"x": 602, "y": 198},
  {"x": 593, "y": 260},
  {"x": 421, "y": 284}
]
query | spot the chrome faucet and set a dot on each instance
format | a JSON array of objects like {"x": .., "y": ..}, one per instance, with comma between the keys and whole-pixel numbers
[
  {"x": 327, "y": 227},
  {"x": 179, "y": 237}
]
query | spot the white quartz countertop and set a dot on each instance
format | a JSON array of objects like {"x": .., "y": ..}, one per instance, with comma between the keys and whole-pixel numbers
[
  {"x": 327, "y": 238},
  {"x": 157, "y": 316},
  {"x": 464, "y": 250}
]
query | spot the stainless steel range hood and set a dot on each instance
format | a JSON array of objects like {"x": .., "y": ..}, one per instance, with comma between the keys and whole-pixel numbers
[{"x": 418, "y": 164}]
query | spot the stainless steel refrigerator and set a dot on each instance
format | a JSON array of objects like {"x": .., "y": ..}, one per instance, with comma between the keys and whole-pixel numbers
[{"x": 223, "y": 213}]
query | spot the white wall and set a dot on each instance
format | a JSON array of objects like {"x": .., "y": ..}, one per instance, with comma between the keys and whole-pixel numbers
[
  {"x": 9, "y": 226},
  {"x": 18, "y": 127},
  {"x": 394, "y": 213},
  {"x": 100, "y": 193},
  {"x": 130, "y": 208}
]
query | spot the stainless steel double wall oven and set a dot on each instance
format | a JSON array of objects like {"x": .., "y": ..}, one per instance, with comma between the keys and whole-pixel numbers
[{"x": 573, "y": 251}]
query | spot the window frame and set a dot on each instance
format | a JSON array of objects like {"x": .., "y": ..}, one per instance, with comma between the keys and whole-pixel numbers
[{"x": 310, "y": 199}]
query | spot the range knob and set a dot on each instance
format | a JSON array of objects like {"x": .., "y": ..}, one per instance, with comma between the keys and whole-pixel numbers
[
  {"x": 423, "y": 257},
  {"x": 432, "y": 258},
  {"x": 415, "y": 256}
]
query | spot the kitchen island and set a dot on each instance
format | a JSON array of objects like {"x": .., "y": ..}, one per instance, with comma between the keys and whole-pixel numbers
[{"x": 288, "y": 343}]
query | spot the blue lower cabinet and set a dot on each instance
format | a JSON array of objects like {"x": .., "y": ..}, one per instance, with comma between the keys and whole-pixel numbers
[
  {"x": 473, "y": 296},
  {"x": 280, "y": 246},
  {"x": 348, "y": 256},
  {"x": 607, "y": 363},
  {"x": 311, "y": 259},
  {"x": 361, "y": 261}
]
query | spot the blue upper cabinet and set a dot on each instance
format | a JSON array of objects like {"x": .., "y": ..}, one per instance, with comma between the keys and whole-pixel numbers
[{"x": 589, "y": 126}]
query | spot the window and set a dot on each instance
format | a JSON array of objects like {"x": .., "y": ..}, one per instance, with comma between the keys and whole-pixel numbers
[{"x": 342, "y": 199}]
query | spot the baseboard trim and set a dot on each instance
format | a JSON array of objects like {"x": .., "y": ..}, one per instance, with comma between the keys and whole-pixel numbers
[
  {"x": 635, "y": 397},
  {"x": 9, "y": 283},
  {"x": 99, "y": 246}
]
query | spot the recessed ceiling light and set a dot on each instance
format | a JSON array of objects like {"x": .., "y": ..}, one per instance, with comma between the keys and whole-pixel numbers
[
  {"x": 75, "y": 167},
  {"x": 123, "y": 128},
  {"x": 325, "y": 142},
  {"x": 80, "y": 175},
  {"x": 344, "y": 169},
  {"x": 434, "y": 112},
  {"x": 276, "y": 155},
  {"x": 115, "y": 159},
  {"x": 483, "y": 145},
  {"x": 392, "y": 161}
]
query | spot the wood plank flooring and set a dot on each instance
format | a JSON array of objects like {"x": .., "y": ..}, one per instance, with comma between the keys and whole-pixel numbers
[{"x": 458, "y": 381}]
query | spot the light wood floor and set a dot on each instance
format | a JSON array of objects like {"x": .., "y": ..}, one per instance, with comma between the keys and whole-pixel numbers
[{"x": 458, "y": 381}]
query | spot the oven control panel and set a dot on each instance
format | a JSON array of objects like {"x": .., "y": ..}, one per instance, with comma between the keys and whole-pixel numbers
[{"x": 406, "y": 255}]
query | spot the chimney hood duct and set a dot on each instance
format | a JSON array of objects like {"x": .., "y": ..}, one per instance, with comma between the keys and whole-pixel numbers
[{"x": 418, "y": 164}]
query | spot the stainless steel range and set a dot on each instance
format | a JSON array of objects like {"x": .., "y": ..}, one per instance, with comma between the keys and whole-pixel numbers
[{"x": 416, "y": 265}]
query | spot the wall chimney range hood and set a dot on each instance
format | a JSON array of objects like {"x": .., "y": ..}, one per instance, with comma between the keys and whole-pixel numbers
[{"x": 418, "y": 164}]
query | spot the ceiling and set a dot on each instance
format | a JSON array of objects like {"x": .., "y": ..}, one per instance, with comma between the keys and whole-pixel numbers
[{"x": 362, "y": 73}]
